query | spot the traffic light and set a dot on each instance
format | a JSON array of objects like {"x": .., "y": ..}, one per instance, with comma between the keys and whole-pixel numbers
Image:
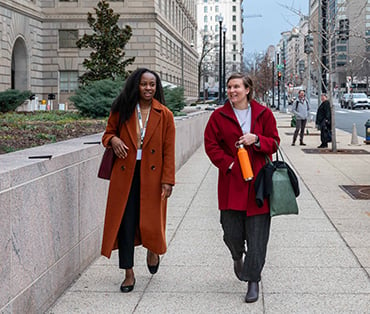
[
  {"x": 308, "y": 44},
  {"x": 343, "y": 29},
  {"x": 279, "y": 75}
]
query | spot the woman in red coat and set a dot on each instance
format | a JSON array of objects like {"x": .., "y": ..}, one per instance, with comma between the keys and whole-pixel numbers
[
  {"x": 141, "y": 132},
  {"x": 242, "y": 121}
]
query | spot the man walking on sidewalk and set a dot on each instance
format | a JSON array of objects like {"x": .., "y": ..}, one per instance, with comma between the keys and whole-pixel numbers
[{"x": 301, "y": 111}]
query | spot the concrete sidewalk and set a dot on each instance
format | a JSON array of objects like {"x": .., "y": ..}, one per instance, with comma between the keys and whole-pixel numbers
[{"x": 317, "y": 262}]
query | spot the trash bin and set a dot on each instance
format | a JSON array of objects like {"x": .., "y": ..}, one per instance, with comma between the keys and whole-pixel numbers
[{"x": 367, "y": 132}]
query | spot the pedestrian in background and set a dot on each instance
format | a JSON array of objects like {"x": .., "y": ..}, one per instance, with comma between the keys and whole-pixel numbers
[
  {"x": 301, "y": 110},
  {"x": 141, "y": 131},
  {"x": 323, "y": 121},
  {"x": 242, "y": 121}
]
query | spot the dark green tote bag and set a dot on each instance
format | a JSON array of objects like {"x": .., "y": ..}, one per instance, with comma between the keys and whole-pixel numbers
[{"x": 283, "y": 195}]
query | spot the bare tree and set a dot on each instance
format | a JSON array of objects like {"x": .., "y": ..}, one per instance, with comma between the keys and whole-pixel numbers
[{"x": 203, "y": 67}]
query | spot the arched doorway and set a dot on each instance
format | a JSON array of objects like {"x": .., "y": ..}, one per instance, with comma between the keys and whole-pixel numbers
[{"x": 19, "y": 78}]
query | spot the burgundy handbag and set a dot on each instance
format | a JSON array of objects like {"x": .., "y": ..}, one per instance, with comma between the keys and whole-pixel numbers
[{"x": 106, "y": 164}]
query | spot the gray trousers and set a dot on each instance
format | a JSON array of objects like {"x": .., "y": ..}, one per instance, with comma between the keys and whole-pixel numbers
[
  {"x": 300, "y": 126},
  {"x": 253, "y": 231}
]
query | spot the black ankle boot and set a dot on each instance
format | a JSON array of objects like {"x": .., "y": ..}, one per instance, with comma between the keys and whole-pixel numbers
[
  {"x": 252, "y": 293},
  {"x": 238, "y": 268}
]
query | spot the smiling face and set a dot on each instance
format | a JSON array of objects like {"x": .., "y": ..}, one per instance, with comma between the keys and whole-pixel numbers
[
  {"x": 147, "y": 87},
  {"x": 237, "y": 92}
]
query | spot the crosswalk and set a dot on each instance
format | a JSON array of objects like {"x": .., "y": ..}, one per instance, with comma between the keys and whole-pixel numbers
[
  {"x": 346, "y": 111},
  {"x": 352, "y": 111}
]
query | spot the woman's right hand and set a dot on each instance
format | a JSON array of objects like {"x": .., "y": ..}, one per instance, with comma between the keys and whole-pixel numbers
[{"x": 119, "y": 147}]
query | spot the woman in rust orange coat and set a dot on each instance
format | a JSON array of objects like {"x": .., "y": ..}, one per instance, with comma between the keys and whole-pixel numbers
[{"x": 141, "y": 131}]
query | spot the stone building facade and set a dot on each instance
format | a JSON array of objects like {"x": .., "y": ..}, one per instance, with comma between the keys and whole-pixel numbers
[{"x": 38, "y": 50}]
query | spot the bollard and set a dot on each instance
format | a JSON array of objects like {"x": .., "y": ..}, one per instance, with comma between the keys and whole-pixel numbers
[
  {"x": 354, "y": 139},
  {"x": 367, "y": 132}
]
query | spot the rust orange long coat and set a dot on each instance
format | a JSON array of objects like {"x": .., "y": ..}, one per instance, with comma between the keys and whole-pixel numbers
[{"x": 157, "y": 168}]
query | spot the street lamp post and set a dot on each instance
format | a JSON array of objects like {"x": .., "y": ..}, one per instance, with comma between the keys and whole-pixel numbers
[
  {"x": 273, "y": 84},
  {"x": 220, "y": 19},
  {"x": 182, "y": 55},
  {"x": 224, "y": 64}
]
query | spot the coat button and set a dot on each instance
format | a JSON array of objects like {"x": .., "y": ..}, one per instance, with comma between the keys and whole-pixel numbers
[
  {"x": 123, "y": 168},
  {"x": 152, "y": 167},
  {"x": 153, "y": 151}
]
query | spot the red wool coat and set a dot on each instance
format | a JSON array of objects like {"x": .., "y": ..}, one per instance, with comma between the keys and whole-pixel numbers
[
  {"x": 157, "y": 167},
  {"x": 221, "y": 133}
]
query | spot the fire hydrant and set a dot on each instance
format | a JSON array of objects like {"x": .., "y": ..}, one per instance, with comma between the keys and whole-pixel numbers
[{"x": 367, "y": 132}]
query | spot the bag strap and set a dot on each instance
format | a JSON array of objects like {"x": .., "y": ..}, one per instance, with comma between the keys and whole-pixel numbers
[
  {"x": 267, "y": 158},
  {"x": 279, "y": 151}
]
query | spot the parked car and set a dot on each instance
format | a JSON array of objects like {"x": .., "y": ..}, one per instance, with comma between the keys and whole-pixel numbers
[
  {"x": 358, "y": 100},
  {"x": 344, "y": 100}
]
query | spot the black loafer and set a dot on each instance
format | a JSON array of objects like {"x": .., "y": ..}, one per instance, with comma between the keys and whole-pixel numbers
[
  {"x": 153, "y": 268},
  {"x": 238, "y": 268},
  {"x": 126, "y": 289},
  {"x": 252, "y": 293}
]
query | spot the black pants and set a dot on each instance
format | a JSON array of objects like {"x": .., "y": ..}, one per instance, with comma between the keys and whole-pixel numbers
[
  {"x": 299, "y": 128},
  {"x": 130, "y": 223},
  {"x": 254, "y": 230},
  {"x": 325, "y": 134}
]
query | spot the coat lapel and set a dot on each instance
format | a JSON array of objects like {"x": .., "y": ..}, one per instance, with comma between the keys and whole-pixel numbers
[
  {"x": 153, "y": 122},
  {"x": 131, "y": 128}
]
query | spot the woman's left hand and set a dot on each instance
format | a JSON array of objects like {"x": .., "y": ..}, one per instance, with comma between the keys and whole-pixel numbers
[
  {"x": 166, "y": 191},
  {"x": 248, "y": 139}
]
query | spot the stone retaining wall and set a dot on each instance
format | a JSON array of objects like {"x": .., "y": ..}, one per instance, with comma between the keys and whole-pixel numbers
[{"x": 52, "y": 214}]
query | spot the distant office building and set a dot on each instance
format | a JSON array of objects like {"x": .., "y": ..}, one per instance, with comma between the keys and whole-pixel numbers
[
  {"x": 209, "y": 14},
  {"x": 38, "y": 50},
  {"x": 349, "y": 41}
]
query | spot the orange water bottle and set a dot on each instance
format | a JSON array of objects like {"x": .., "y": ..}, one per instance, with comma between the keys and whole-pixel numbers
[{"x": 245, "y": 163}]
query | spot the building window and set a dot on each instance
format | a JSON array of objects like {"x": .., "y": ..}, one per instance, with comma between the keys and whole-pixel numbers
[
  {"x": 234, "y": 37},
  {"x": 68, "y": 81},
  {"x": 234, "y": 28},
  {"x": 205, "y": 18},
  {"x": 205, "y": 28},
  {"x": 234, "y": 57},
  {"x": 234, "y": 18},
  {"x": 234, "y": 8},
  {"x": 205, "y": 9},
  {"x": 234, "y": 47},
  {"x": 216, "y": 8},
  {"x": 68, "y": 38}
]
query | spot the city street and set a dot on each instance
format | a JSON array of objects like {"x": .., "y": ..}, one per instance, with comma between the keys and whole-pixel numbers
[{"x": 344, "y": 118}]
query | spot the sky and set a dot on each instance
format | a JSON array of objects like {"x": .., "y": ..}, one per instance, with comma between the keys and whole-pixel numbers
[{"x": 260, "y": 32}]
